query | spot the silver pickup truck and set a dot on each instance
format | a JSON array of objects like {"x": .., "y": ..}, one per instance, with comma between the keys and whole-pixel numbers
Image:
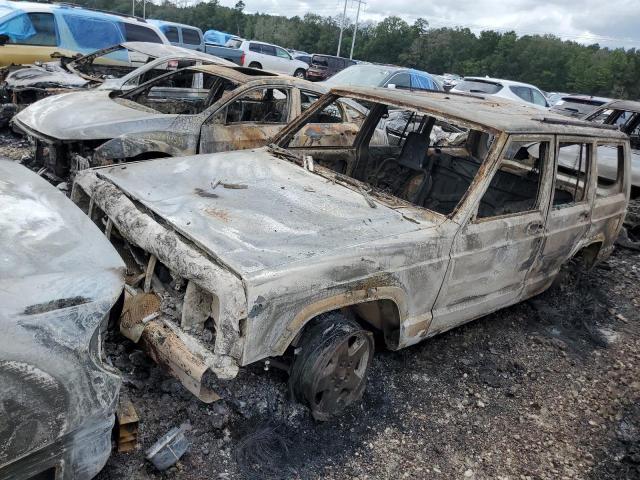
[{"x": 305, "y": 249}]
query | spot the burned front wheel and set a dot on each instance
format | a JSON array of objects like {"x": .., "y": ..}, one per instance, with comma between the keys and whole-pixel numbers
[{"x": 330, "y": 369}]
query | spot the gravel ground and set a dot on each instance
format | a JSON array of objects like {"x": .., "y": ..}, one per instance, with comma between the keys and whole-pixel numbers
[{"x": 549, "y": 388}]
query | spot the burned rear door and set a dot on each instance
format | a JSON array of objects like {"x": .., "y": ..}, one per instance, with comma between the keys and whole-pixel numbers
[
  {"x": 249, "y": 120},
  {"x": 569, "y": 215},
  {"x": 496, "y": 247}
]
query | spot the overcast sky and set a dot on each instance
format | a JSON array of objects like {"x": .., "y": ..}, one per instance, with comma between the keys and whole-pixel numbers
[{"x": 614, "y": 23}]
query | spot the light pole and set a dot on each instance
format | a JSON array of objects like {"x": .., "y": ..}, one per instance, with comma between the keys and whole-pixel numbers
[
  {"x": 344, "y": 14},
  {"x": 355, "y": 29}
]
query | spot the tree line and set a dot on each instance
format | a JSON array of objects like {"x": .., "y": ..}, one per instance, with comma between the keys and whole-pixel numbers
[{"x": 547, "y": 61}]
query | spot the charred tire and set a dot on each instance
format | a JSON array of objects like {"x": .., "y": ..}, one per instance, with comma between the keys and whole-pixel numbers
[
  {"x": 255, "y": 65},
  {"x": 300, "y": 73},
  {"x": 330, "y": 371}
]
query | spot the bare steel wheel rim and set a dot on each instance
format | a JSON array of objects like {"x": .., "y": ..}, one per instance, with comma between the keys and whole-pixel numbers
[
  {"x": 340, "y": 374},
  {"x": 300, "y": 74}
]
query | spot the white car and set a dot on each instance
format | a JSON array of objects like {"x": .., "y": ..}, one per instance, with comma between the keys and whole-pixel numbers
[
  {"x": 271, "y": 57},
  {"x": 516, "y": 91}
]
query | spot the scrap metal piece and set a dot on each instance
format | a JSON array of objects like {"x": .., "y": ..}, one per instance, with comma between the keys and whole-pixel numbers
[
  {"x": 169, "y": 448},
  {"x": 127, "y": 426}
]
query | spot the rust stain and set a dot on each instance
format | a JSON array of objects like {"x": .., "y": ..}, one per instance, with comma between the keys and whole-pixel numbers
[{"x": 218, "y": 213}]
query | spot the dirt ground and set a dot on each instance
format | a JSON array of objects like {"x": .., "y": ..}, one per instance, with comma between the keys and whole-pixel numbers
[{"x": 549, "y": 388}]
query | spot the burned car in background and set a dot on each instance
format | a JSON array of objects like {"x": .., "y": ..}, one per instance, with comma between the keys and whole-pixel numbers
[
  {"x": 60, "y": 282},
  {"x": 303, "y": 248},
  {"x": 194, "y": 110},
  {"x": 118, "y": 67},
  {"x": 625, "y": 116}
]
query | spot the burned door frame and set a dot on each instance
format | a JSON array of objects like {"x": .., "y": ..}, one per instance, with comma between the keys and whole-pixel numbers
[
  {"x": 608, "y": 211},
  {"x": 566, "y": 225},
  {"x": 479, "y": 246},
  {"x": 226, "y": 134}
]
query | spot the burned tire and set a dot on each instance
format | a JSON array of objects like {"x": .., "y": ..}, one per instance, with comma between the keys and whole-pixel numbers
[
  {"x": 330, "y": 371},
  {"x": 255, "y": 65}
]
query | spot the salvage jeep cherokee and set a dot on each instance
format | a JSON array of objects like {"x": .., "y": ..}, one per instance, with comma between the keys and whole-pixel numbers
[{"x": 304, "y": 248}]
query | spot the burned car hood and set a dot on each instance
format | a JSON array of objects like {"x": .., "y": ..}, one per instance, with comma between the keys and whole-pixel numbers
[
  {"x": 91, "y": 115},
  {"x": 51, "y": 255},
  {"x": 47, "y": 75},
  {"x": 266, "y": 211}
]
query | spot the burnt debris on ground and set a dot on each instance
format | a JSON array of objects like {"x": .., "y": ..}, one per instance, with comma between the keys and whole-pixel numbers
[{"x": 545, "y": 389}]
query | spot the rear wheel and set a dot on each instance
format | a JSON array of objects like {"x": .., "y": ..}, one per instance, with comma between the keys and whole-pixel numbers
[
  {"x": 330, "y": 371},
  {"x": 255, "y": 65},
  {"x": 300, "y": 73}
]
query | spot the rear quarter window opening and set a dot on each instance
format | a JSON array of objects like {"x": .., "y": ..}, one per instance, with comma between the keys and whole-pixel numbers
[{"x": 610, "y": 166}]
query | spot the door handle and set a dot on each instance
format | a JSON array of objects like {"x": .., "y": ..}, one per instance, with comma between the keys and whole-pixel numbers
[{"x": 534, "y": 228}]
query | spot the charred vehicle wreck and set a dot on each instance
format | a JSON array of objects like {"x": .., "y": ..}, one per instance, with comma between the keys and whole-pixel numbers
[
  {"x": 60, "y": 283},
  {"x": 194, "y": 110},
  {"x": 120, "y": 67},
  {"x": 304, "y": 248}
]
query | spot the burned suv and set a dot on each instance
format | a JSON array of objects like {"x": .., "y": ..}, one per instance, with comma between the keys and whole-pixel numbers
[{"x": 304, "y": 249}]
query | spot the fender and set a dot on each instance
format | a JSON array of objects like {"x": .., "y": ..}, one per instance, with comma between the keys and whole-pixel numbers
[
  {"x": 126, "y": 147},
  {"x": 412, "y": 329}
]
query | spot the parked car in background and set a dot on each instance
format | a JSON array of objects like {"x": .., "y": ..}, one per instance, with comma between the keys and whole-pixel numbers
[
  {"x": 194, "y": 110},
  {"x": 31, "y": 32},
  {"x": 625, "y": 115},
  {"x": 450, "y": 80},
  {"x": 119, "y": 67},
  {"x": 578, "y": 105},
  {"x": 323, "y": 67},
  {"x": 305, "y": 57},
  {"x": 554, "y": 97},
  {"x": 61, "y": 282},
  {"x": 271, "y": 57},
  {"x": 324, "y": 243},
  {"x": 372, "y": 75},
  {"x": 181, "y": 35},
  {"x": 497, "y": 87}
]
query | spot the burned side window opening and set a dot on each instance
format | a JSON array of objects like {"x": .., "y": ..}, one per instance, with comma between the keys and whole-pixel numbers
[
  {"x": 413, "y": 156},
  {"x": 186, "y": 92},
  {"x": 515, "y": 186},
  {"x": 261, "y": 105},
  {"x": 574, "y": 163}
]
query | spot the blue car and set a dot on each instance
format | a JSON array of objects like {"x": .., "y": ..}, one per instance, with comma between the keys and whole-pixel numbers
[{"x": 31, "y": 32}]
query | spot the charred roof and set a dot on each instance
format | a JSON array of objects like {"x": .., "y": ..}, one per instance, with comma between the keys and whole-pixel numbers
[{"x": 488, "y": 112}]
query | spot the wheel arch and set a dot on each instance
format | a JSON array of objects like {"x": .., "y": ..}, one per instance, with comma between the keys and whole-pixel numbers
[{"x": 382, "y": 309}]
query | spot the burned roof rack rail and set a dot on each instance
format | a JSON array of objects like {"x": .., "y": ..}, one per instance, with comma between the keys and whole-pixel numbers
[{"x": 574, "y": 123}]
